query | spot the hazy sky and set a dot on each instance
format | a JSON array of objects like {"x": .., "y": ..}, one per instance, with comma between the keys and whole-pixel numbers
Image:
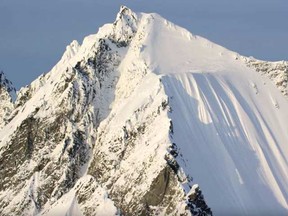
[{"x": 34, "y": 33}]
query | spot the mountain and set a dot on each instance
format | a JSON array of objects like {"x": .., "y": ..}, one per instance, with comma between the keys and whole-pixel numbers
[
  {"x": 7, "y": 96},
  {"x": 145, "y": 118}
]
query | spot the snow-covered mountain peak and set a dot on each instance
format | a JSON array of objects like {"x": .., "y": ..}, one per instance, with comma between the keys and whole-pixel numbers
[
  {"x": 126, "y": 15},
  {"x": 140, "y": 119},
  {"x": 125, "y": 25}
]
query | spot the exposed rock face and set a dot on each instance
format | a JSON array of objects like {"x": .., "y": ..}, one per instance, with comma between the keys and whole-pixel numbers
[{"x": 276, "y": 71}]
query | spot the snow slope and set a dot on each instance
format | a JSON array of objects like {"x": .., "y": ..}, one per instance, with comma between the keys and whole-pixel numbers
[
  {"x": 137, "y": 115},
  {"x": 230, "y": 123}
]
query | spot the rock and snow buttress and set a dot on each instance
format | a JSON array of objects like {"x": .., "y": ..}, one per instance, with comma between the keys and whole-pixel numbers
[
  {"x": 7, "y": 96},
  {"x": 145, "y": 118}
]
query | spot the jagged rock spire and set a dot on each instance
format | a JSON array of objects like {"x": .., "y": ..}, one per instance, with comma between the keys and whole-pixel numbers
[
  {"x": 7, "y": 85},
  {"x": 7, "y": 96}
]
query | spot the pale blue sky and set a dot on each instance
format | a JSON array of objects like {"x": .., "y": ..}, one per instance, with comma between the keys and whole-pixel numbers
[{"x": 34, "y": 33}]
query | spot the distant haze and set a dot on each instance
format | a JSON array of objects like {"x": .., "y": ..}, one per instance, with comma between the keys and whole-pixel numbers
[{"x": 34, "y": 33}]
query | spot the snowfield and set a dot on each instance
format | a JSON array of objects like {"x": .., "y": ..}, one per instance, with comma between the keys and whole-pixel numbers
[{"x": 138, "y": 116}]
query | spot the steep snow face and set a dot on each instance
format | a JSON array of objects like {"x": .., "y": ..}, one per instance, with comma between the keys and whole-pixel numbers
[
  {"x": 229, "y": 122},
  {"x": 7, "y": 97},
  {"x": 229, "y": 142},
  {"x": 136, "y": 120}
]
